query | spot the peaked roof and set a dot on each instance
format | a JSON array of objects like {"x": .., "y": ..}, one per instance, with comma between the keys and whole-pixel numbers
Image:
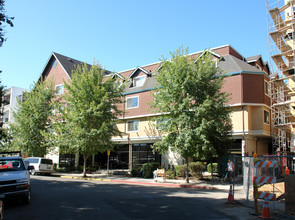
[
  {"x": 209, "y": 51},
  {"x": 68, "y": 64},
  {"x": 231, "y": 64},
  {"x": 138, "y": 68},
  {"x": 117, "y": 74},
  {"x": 253, "y": 58}
]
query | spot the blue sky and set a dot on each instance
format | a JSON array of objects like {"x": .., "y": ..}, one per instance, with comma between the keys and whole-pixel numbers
[{"x": 124, "y": 34}]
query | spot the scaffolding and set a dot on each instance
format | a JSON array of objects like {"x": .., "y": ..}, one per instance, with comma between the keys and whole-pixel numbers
[{"x": 281, "y": 36}]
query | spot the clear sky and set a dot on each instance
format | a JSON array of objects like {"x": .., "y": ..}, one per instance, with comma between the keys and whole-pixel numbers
[{"x": 122, "y": 34}]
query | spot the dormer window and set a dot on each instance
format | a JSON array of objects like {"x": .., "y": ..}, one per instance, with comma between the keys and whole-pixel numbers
[
  {"x": 138, "y": 81},
  {"x": 59, "y": 89},
  {"x": 258, "y": 67}
]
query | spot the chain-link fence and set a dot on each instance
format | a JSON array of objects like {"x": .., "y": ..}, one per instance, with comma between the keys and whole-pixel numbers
[{"x": 266, "y": 174}]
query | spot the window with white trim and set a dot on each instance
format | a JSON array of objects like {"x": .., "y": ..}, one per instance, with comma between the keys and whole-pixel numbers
[
  {"x": 133, "y": 125},
  {"x": 59, "y": 89},
  {"x": 161, "y": 123},
  {"x": 266, "y": 117},
  {"x": 138, "y": 81},
  {"x": 132, "y": 102},
  {"x": 267, "y": 88}
]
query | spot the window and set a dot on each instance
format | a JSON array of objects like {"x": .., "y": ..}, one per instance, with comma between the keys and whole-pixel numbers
[
  {"x": 5, "y": 117},
  {"x": 6, "y": 99},
  {"x": 133, "y": 125},
  {"x": 138, "y": 81},
  {"x": 215, "y": 63},
  {"x": 59, "y": 89},
  {"x": 266, "y": 88},
  {"x": 266, "y": 117},
  {"x": 161, "y": 123},
  {"x": 68, "y": 106},
  {"x": 54, "y": 63},
  {"x": 60, "y": 108},
  {"x": 132, "y": 102}
]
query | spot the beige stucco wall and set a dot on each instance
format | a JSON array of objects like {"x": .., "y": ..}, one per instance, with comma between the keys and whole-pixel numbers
[
  {"x": 256, "y": 145},
  {"x": 146, "y": 128},
  {"x": 237, "y": 119}
]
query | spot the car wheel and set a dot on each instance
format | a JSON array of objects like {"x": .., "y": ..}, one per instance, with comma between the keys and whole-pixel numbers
[
  {"x": 27, "y": 198},
  {"x": 1, "y": 210}
]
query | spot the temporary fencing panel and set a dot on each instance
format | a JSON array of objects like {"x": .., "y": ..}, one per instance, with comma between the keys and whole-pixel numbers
[{"x": 268, "y": 172}]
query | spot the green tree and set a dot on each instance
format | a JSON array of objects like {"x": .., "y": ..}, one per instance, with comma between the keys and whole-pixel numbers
[
  {"x": 32, "y": 119},
  {"x": 189, "y": 91},
  {"x": 2, "y": 131},
  {"x": 88, "y": 123},
  {"x": 4, "y": 19}
]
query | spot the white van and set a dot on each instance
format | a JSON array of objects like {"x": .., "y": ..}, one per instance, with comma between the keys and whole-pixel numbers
[{"x": 41, "y": 165}]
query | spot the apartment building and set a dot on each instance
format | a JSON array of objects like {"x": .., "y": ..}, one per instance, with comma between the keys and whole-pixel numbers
[
  {"x": 11, "y": 96},
  {"x": 247, "y": 82}
]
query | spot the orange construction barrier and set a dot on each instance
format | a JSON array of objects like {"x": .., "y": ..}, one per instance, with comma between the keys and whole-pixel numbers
[
  {"x": 230, "y": 198},
  {"x": 287, "y": 171},
  {"x": 265, "y": 210}
]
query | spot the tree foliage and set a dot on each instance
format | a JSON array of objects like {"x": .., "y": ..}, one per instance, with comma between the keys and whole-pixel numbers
[
  {"x": 87, "y": 124},
  {"x": 189, "y": 91},
  {"x": 2, "y": 131},
  {"x": 32, "y": 119},
  {"x": 4, "y": 19}
]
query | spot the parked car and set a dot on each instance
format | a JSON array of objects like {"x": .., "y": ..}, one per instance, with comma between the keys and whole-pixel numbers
[
  {"x": 14, "y": 177},
  {"x": 41, "y": 165}
]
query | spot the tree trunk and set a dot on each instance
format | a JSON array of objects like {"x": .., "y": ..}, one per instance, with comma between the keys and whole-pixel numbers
[
  {"x": 186, "y": 170},
  {"x": 76, "y": 159},
  {"x": 211, "y": 169},
  {"x": 84, "y": 165}
]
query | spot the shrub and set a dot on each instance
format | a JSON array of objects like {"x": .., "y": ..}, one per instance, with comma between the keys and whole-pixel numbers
[
  {"x": 196, "y": 169},
  {"x": 148, "y": 169},
  {"x": 135, "y": 172},
  {"x": 180, "y": 170},
  {"x": 170, "y": 174},
  {"x": 214, "y": 167},
  {"x": 67, "y": 168}
]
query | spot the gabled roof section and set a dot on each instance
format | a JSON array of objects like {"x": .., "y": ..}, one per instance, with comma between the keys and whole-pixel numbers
[
  {"x": 119, "y": 75},
  {"x": 254, "y": 58},
  {"x": 69, "y": 64},
  {"x": 231, "y": 64},
  {"x": 209, "y": 51},
  {"x": 137, "y": 69}
]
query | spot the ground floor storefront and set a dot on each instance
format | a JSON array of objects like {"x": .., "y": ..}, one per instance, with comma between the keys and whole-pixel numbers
[
  {"x": 124, "y": 156},
  {"x": 134, "y": 155}
]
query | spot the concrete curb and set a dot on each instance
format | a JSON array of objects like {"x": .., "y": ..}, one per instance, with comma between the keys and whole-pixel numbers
[{"x": 142, "y": 183}]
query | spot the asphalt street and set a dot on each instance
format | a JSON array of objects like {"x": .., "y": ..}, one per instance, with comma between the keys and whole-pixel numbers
[{"x": 60, "y": 198}]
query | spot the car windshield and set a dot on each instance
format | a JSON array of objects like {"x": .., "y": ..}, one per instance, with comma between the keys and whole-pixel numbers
[{"x": 11, "y": 165}]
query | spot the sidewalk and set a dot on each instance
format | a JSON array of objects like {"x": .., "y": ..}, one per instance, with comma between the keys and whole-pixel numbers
[{"x": 215, "y": 188}]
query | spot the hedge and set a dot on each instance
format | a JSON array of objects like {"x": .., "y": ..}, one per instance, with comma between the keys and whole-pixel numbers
[
  {"x": 180, "y": 170},
  {"x": 148, "y": 169},
  {"x": 215, "y": 167}
]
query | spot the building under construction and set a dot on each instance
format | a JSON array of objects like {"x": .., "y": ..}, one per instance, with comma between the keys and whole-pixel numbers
[{"x": 281, "y": 26}]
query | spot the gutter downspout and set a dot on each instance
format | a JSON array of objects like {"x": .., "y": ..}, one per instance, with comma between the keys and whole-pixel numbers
[
  {"x": 128, "y": 138},
  {"x": 243, "y": 117}
]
